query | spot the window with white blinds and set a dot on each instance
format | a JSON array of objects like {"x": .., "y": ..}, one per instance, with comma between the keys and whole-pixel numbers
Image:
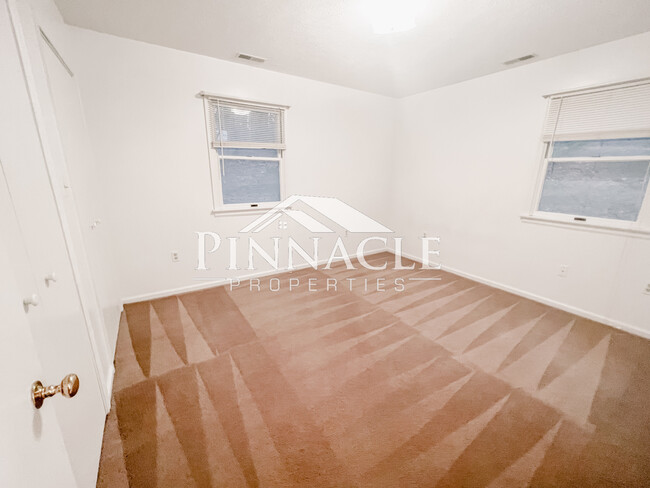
[
  {"x": 247, "y": 144},
  {"x": 596, "y": 164},
  {"x": 610, "y": 113},
  {"x": 242, "y": 125}
]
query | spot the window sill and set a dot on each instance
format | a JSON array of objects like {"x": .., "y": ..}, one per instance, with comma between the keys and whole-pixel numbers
[
  {"x": 642, "y": 233},
  {"x": 241, "y": 211}
]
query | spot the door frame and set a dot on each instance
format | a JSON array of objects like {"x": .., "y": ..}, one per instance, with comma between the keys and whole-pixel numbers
[{"x": 27, "y": 35}]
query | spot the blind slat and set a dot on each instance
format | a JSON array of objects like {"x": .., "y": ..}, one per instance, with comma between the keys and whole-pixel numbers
[{"x": 610, "y": 113}]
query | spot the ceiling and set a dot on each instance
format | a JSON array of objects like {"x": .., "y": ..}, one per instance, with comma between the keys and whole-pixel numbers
[{"x": 333, "y": 41}]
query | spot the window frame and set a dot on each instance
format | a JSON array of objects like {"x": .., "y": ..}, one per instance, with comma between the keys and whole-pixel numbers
[
  {"x": 638, "y": 228},
  {"x": 218, "y": 205}
]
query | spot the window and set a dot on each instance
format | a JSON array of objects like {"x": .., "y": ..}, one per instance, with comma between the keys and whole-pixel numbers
[
  {"x": 596, "y": 159},
  {"x": 246, "y": 144}
]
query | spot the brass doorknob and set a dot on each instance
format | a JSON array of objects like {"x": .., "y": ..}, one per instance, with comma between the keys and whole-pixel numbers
[{"x": 68, "y": 388}]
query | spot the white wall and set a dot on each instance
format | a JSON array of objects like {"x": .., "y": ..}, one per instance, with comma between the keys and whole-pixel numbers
[
  {"x": 147, "y": 129},
  {"x": 464, "y": 170},
  {"x": 458, "y": 162}
]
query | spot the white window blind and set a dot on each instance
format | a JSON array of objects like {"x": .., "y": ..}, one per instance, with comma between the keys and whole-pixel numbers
[
  {"x": 608, "y": 113},
  {"x": 244, "y": 125},
  {"x": 247, "y": 146}
]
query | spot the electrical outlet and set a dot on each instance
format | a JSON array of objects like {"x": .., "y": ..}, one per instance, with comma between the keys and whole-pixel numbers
[
  {"x": 564, "y": 270},
  {"x": 175, "y": 257},
  {"x": 647, "y": 289}
]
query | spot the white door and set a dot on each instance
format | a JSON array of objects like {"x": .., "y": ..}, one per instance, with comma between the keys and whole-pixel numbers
[
  {"x": 34, "y": 244},
  {"x": 32, "y": 452},
  {"x": 68, "y": 119}
]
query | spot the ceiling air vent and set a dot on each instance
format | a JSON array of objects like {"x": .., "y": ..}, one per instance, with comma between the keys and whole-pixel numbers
[
  {"x": 249, "y": 57},
  {"x": 521, "y": 59}
]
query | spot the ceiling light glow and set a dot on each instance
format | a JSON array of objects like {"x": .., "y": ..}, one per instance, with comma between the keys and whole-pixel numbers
[{"x": 389, "y": 16}]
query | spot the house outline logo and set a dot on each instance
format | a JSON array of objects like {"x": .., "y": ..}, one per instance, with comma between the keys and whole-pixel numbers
[{"x": 333, "y": 209}]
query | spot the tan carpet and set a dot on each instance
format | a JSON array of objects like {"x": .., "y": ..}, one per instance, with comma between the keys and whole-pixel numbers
[{"x": 449, "y": 383}]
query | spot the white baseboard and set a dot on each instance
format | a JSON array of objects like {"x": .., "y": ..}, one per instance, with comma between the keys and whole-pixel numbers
[
  {"x": 546, "y": 301},
  {"x": 245, "y": 277},
  {"x": 516, "y": 291},
  {"x": 110, "y": 376}
]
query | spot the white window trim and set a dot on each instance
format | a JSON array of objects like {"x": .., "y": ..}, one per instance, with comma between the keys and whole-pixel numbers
[
  {"x": 218, "y": 207},
  {"x": 639, "y": 228}
]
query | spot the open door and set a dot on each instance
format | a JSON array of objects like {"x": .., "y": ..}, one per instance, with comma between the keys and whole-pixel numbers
[
  {"x": 44, "y": 334},
  {"x": 31, "y": 444}
]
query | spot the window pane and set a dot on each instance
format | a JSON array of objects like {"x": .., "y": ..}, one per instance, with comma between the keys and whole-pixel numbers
[
  {"x": 602, "y": 148},
  {"x": 257, "y": 153},
  {"x": 605, "y": 189},
  {"x": 246, "y": 181}
]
